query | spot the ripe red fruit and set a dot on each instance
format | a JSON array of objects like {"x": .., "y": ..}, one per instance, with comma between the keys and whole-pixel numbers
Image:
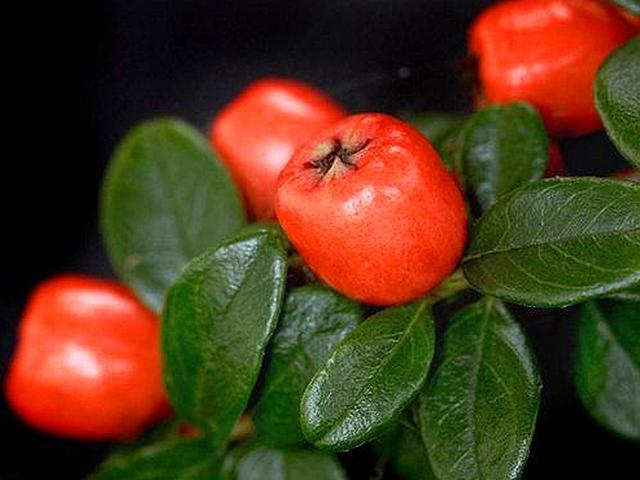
[
  {"x": 373, "y": 210},
  {"x": 87, "y": 364},
  {"x": 547, "y": 52},
  {"x": 257, "y": 133}
]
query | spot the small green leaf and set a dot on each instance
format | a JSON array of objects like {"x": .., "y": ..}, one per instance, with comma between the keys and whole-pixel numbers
[
  {"x": 219, "y": 316},
  {"x": 165, "y": 431},
  {"x": 607, "y": 367},
  {"x": 437, "y": 126},
  {"x": 558, "y": 242},
  {"x": 313, "y": 321},
  {"x": 479, "y": 409},
  {"x": 264, "y": 463},
  {"x": 503, "y": 147},
  {"x": 617, "y": 95},
  {"x": 166, "y": 198},
  {"x": 402, "y": 446},
  {"x": 443, "y": 131},
  {"x": 177, "y": 459},
  {"x": 369, "y": 378}
]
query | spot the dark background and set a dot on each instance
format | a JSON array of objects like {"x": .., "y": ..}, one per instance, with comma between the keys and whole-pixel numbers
[{"x": 80, "y": 75}]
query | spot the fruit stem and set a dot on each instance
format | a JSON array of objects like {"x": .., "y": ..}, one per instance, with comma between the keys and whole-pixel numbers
[
  {"x": 242, "y": 430},
  {"x": 454, "y": 284},
  {"x": 296, "y": 262}
]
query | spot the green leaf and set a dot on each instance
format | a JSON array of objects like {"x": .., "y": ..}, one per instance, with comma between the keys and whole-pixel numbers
[
  {"x": 558, "y": 242},
  {"x": 177, "y": 459},
  {"x": 617, "y": 96},
  {"x": 437, "y": 126},
  {"x": 165, "y": 431},
  {"x": 478, "y": 410},
  {"x": 503, "y": 147},
  {"x": 166, "y": 198},
  {"x": 218, "y": 319},
  {"x": 264, "y": 463},
  {"x": 607, "y": 366},
  {"x": 402, "y": 446},
  {"x": 369, "y": 378},
  {"x": 443, "y": 131},
  {"x": 271, "y": 226},
  {"x": 313, "y": 321},
  {"x": 228, "y": 467}
]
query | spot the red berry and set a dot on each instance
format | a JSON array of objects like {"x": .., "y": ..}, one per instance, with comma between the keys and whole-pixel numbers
[
  {"x": 87, "y": 364},
  {"x": 372, "y": 209},
  {"x": 547, "y": 52},
  {"x": 257, "y": 133}
]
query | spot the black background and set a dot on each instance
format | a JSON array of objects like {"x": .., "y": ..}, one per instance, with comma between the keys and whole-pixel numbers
[{"x": 80, "y": 75}]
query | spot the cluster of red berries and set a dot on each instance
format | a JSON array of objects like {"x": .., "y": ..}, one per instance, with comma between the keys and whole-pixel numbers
[{"x": 365, "y": 199}]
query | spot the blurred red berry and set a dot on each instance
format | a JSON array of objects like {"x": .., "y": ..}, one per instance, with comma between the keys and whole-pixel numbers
[
  {"x": 547, "y": 52},
  {"x": 257, "y": 133},
  {"x": 87, "y": 364}
]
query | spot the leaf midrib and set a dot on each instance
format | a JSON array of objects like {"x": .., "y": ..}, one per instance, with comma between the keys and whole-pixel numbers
[
  {"x": 497, "y": 251},
  {"x": 332, "y": 427},
  {"x": 474, "y": 385},
  {"x": 201, "y": 374},
  {"x": 184, "y": 242}
]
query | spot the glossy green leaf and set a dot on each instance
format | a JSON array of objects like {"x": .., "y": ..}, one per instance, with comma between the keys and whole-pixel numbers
[
  {"x": 177, "y": 459},
  {"x": 313, "y": 321},
  {"x": 271, "y": 226},
  {"x": 219, "y": 316},
  {"x": 402, "y": 446},
  {"x": 264, "y": 463},
  {"x": 478, "y": 410},
  {"x": 607, "y": 366},
  {"x": 369, "y": 378},
  {"x": 617, "y": 95},
  {"x": 166, "y": 198},
  {"x": 558, "y": 242},
  {"x": 502, "y": 148}
]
